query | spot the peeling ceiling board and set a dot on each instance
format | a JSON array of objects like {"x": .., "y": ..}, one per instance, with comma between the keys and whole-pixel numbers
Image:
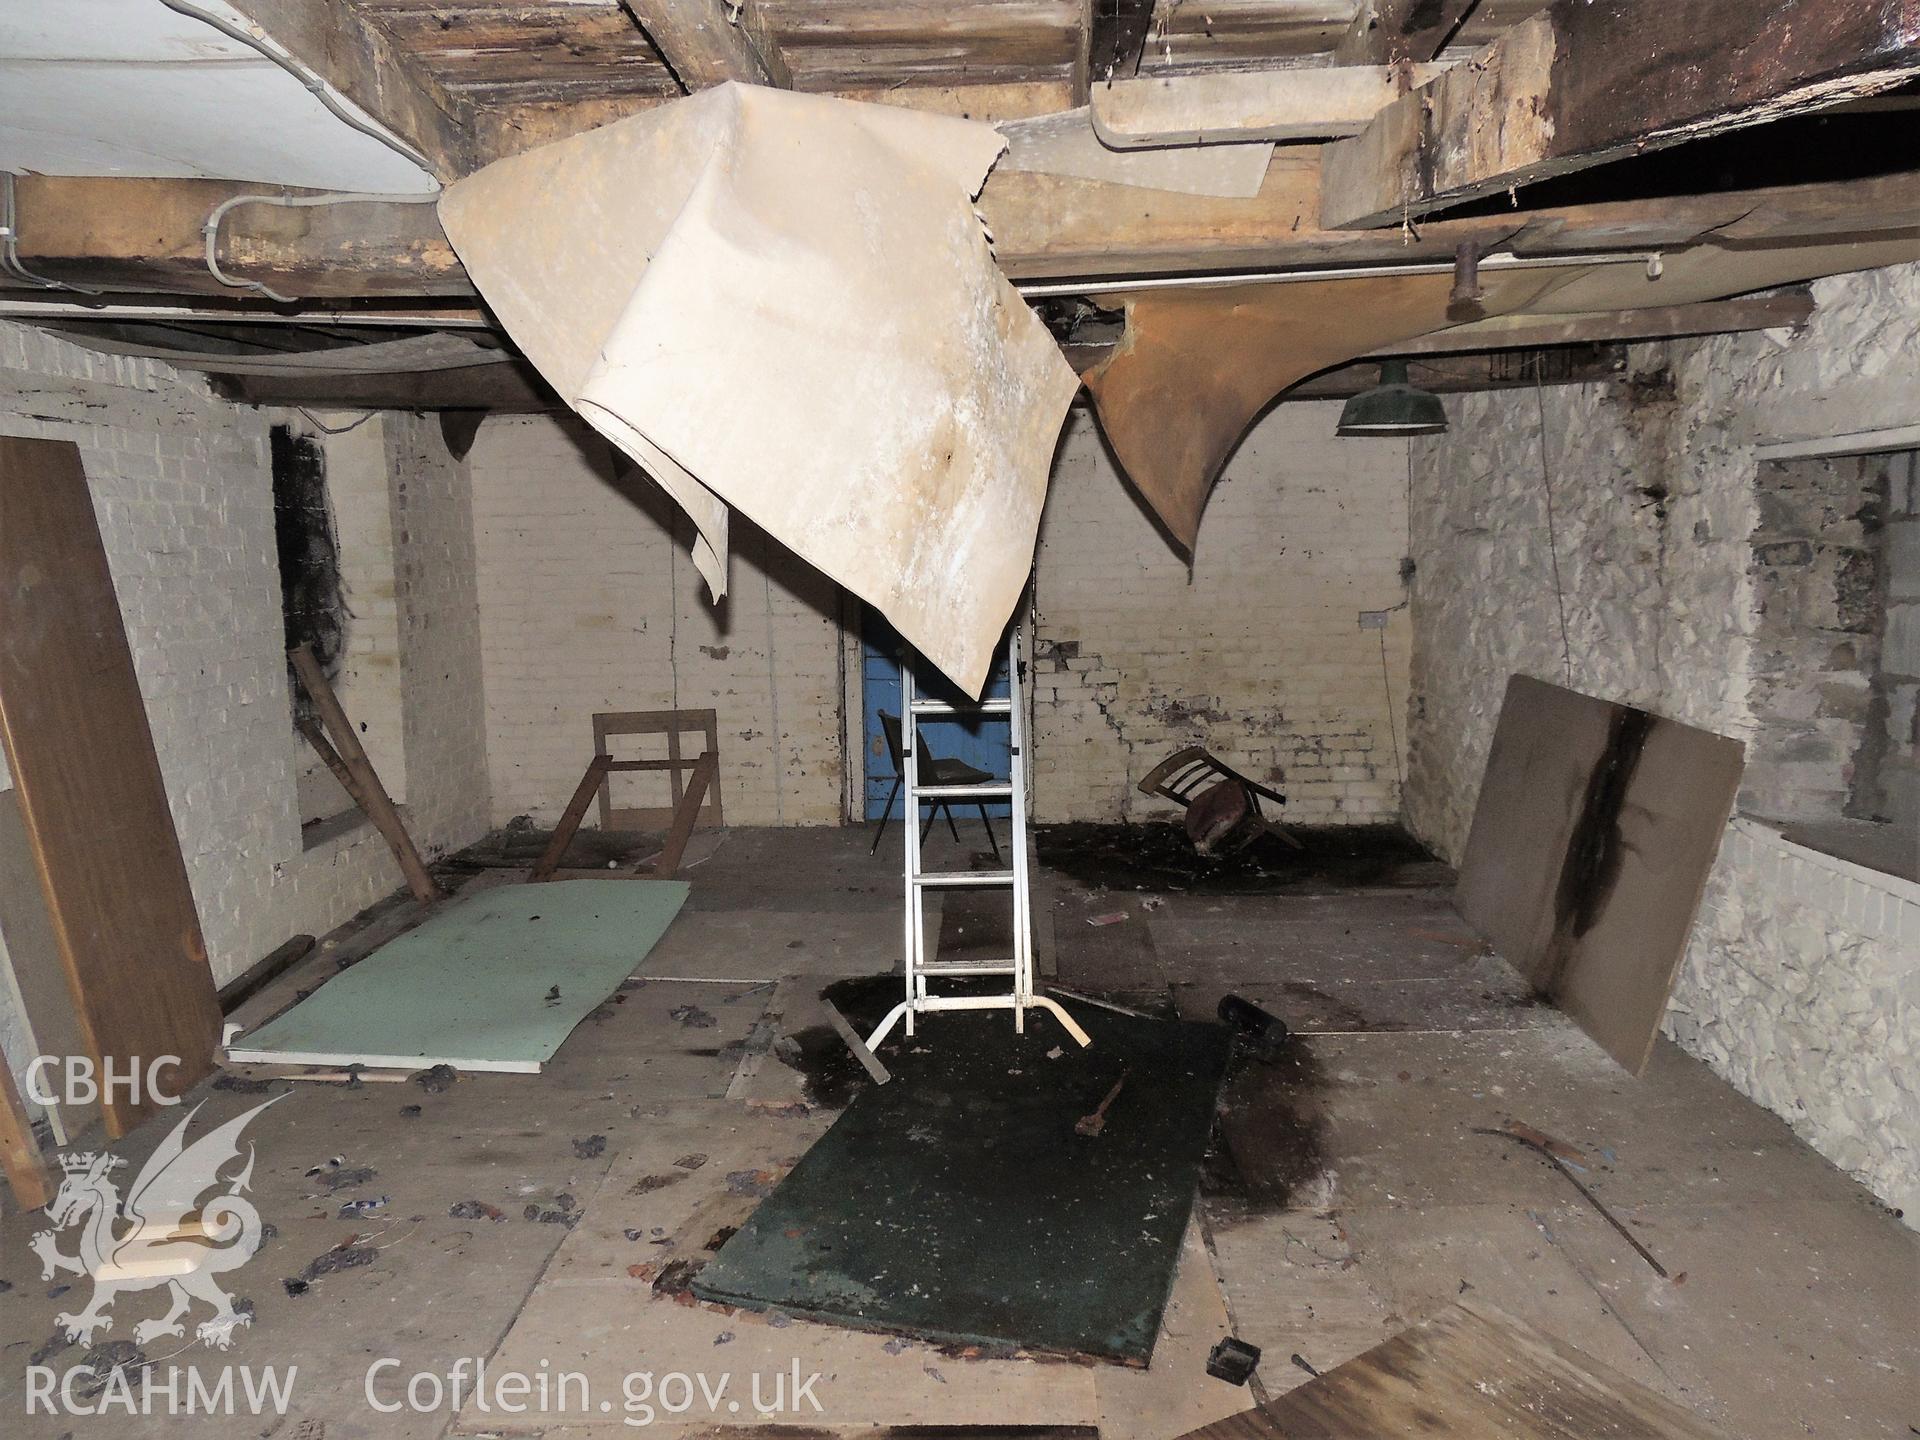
[
  {"x": 1592, "y": 838},
  {"x": 785, "y": 303},
  {"x": 493, "y": 980},
  {"x": 1065, "y": 144},
  {"x": 411, "y": 354},
  {"x": 1195, "y": 366},
  {"x": 129, "y": 87}
]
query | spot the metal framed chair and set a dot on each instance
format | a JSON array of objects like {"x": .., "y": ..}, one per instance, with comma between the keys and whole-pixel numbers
[{"x": 933, "y": 771}]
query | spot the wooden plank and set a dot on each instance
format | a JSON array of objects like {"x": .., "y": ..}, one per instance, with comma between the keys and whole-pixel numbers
[
  {"x": 1385, "y": 32},
  {"x": 709, "y": 42},
  {"x": 1223, "y": 108},
  {"x": 1592, "y": 839},
  {"x": 686, "y": 810},
  {"x": 91, "y": 793},
  {"x": 145, "y": 234},
  {"x": 1580, "y": 83},
  {"x": 1528, "y": 332},
  {"x": 563, "y": 833},
  {"x": 20, "y": 1157},
  {"x": 1471, "y": 1370},
  {"x": 367, "y": 791}
]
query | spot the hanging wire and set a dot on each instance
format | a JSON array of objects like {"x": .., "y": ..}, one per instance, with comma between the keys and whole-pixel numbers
[
  {"x": 1553, "y": 542},
  {"x": 210, "y": 227},
  {"x": 11, "y": 266},
  {"x": 1393, "y": 731}
]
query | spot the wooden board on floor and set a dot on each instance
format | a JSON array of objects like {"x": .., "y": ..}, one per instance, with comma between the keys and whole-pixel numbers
[
  {"x": 31, "y": 976},
  {"x": 76, "y": 735},
  {"x": 1468, "y": 1371},
  {"x": 1596, "y": 827}
]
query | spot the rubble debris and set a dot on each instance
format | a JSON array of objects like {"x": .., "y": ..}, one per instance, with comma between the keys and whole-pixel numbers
[
  {"x": 1233, "y": 1360},
  {"x": 475, "y": 1210},
  {"x": 337, "y": 1178},
  {"x": 675, "y": 1280},
  {"x": 591, "y": 1148},
  {"x": 693, "y": 1017},
  {"x": 1305, "y": 1364},
  {"x": 690, "y": 1162},
  {"x": 1112, "y": 917},
  {"x": 347, "y": 1256},
  {"x": 647, "y": 1184},
  {"x": 409, "y": 1112},
  {"x": 754, "y": 1184},
  {"x": 351, "y": 1209},
  {"x": 437, "y": 1078}
]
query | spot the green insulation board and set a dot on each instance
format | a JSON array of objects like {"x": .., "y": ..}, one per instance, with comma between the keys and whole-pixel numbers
[
  {"x": 958, "y": 1204},
  {"x": 492, "y": 981}
]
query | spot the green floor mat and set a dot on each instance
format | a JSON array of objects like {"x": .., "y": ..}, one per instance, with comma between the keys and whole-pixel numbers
[
  {"x": 959, "y": 1204},
  {"x": 493, "y": 981}
]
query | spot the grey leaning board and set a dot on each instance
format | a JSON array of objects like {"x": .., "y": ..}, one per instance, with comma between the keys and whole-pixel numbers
[{"x": 1596, "y": 827}]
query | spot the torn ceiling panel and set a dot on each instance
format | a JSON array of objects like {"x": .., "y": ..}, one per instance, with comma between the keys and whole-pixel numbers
[
  {"x": 786, "y": 303},
  {"x": 1195, "y": 366}
]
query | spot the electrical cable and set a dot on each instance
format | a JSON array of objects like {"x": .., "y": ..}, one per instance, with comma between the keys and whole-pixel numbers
[
  {"x": 10, "y": 262},
  {"x": 309, "y": 81},
  {"x": 210, "y": 228},
  {"x": 1553, "y": 542}
]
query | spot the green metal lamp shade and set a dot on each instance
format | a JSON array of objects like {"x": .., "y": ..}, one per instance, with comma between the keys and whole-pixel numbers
[{"x": 1393, "y": 407}]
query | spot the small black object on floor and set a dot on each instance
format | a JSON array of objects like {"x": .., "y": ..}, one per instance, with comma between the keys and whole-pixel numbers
[
  {"x": 1233, "y": 1361},
  {"x": 959, "y": 1203}
]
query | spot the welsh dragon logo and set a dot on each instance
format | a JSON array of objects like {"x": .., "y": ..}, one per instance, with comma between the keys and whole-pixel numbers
[{"x": 167, "y": 1232}]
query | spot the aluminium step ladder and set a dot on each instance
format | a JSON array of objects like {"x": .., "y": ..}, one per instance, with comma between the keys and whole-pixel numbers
[{"x": 917, "y": 968}]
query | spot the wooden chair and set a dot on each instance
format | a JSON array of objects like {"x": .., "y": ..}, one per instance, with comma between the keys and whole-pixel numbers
[
  {"x": 933, "y": 771},
  {"x": 1223, "y": 806}
]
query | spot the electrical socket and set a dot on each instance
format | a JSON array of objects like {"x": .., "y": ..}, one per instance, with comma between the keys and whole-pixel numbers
[{"x": 1373, "y": 619}]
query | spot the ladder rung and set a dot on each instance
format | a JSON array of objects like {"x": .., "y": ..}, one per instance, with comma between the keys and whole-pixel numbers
[
  {"x": 998, "y": 706},
  {"x": 999, "y": 790},
  {"x": 964, "y": 967},
  {"x": 954, "y": 879}
]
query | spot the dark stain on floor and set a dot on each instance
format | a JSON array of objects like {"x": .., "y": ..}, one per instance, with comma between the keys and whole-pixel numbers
[{"x": 1159, "y": 857}]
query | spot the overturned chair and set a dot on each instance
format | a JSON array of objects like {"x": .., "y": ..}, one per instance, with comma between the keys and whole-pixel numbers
[{"x": 1222, "y": 805}]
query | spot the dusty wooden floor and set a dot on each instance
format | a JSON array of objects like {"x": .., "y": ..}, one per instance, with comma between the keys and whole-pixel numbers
[{"x": 1354, "y": 1196}]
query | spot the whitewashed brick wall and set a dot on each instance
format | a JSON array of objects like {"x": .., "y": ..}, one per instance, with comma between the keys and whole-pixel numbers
[
  {"x": 1655, "y": 506},
  {"x": 1256, "y": 652},
  {"x": 590, "y": 602},
  {"x": 183, "y": 491},
  {"x": 587, "y": 603}
]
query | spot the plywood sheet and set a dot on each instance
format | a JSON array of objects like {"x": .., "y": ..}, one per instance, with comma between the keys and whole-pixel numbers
[
  {"x": 1468, "y": 1371},
  {"x": 1595, "y": 829},
  {"x": 494, "y": 980},
  {"x": 785, "y": 304},
  {"x": 95, "y": 807}
]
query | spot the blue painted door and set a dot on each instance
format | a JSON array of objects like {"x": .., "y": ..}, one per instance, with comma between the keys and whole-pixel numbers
[{"x": 980, "y": 741}]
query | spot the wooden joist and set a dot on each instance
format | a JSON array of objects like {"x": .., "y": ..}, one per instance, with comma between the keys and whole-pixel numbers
[
  {"x": 362, "y": 63},
  {"x": 144, "y": 235},
  {"x": 1222, "y": 108},
  {"x": 1582, "y": 83},
  {"x": 1387, "y": 31},
  {"x": 709, "y": 42}
]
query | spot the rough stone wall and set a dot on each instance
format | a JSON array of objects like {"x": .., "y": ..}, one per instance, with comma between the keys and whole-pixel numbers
[
  {"x": 183, "y": 492},
  {"x": 1819, "y": 598},
  {"x": 1802, "y": 987},
  {"x": 589, "y": 602},
  {"x": 1257, "y": 652},
  {"x": 1894, "y": 790},
  {"x": 1654, "y": 508}
]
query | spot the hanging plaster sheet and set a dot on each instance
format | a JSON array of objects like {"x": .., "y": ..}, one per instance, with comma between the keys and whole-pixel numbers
[
  {"x": 1196, "y": 366},
  {"x": 785, "y": 304}
]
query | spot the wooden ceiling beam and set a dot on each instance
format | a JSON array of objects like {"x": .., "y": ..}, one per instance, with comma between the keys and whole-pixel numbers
[
  {"x": 1231, "y": 106},
  {"x": 1582, "y": 83},
  {"x": 364, "y": 64},
  {"x": 145, "y": 236},
  {"x": 1386, "y": 32},
  {"x": 709, "y": 42}
]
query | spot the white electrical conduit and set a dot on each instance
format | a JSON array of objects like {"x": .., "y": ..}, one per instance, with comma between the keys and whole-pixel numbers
[
  {"x": 1042, "y": 289},
  {"x": 211, "y": 227},
  {"x": 311, "y": 82}
]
